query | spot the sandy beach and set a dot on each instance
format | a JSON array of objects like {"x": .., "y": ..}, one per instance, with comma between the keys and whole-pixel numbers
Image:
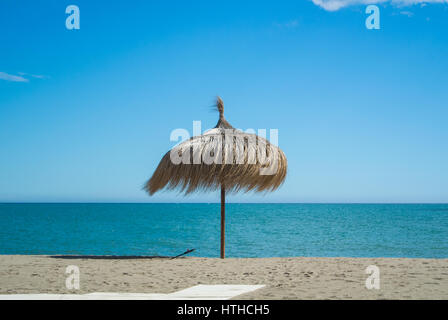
[{"x": 285, "y": 278}]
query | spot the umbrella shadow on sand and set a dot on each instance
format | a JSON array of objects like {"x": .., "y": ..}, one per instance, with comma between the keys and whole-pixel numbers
[{"x": 107, "y": 257}]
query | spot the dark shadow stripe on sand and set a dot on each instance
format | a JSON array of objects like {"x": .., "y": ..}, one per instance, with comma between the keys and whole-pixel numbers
[{"x": 107, "y": 257}]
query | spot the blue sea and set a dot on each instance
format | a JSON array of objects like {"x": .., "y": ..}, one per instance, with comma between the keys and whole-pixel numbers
[{"x": 252, "y": 230}]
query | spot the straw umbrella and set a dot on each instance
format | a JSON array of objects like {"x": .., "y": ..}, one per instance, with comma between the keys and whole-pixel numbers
[{"x": 223, "y": 158}]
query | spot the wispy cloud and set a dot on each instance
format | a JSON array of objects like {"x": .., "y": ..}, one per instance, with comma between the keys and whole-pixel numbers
[
  {"x": 288, "y": 24},
  {"x": 20, "y": 77},
  {"x": 334, "y": 5},
  {"x": 11, "y": 77},
  {"x": 37, "y": 76},
  {"x": 407, "y": 13}
]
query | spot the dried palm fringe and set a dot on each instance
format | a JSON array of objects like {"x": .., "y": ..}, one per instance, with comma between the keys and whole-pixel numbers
[{"x": 220, "y": 157}]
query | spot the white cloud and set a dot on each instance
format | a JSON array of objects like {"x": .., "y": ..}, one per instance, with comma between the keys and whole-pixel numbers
[
  {"x": 20, "y": 77},
  {"x": 407, "y": 13},
  {"x": 334, "y": 5},
  {"x": 288, "y": 24},
  {"x": 11, "y": 77},
  {"x": 38, "y": 76}
]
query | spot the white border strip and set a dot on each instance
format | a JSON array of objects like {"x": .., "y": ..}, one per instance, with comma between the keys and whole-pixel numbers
[{"x": 199, "y": 292}]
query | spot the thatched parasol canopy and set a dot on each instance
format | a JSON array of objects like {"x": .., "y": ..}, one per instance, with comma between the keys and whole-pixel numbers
[{"x": 222, "y": 158}]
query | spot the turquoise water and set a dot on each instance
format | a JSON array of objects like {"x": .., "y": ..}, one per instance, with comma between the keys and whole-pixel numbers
[{"x": 253, "y": 230}]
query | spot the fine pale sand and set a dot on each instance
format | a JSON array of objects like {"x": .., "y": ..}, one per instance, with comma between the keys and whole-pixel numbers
[{"x": 285, "y": 278}]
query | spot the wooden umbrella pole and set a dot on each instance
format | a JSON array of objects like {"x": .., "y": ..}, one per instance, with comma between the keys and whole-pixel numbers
[{"x": 223, "y": 220}]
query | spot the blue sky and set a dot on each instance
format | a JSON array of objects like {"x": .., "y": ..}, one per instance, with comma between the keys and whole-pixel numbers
[{"x": 85, "y": 115}]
